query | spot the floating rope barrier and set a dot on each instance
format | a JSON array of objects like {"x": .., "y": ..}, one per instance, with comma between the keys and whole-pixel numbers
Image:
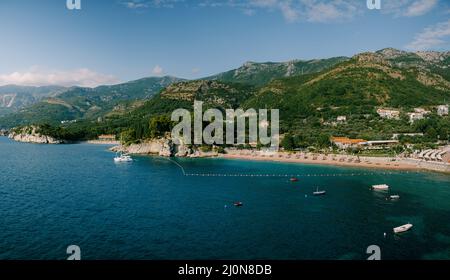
[
  {"x": 179, "y": 165},
  {"x": 288, "y": 175},
  {"x": 291, "y": 175}
]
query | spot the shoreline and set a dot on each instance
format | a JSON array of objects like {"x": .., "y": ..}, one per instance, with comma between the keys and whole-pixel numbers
[
  {"x": 99, "y": 142},
  {"x": 339, "y": 161}
]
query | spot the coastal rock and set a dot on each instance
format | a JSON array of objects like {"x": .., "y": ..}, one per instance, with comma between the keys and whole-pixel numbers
[
  {"x": 166, "y": 149},
  {"x": 3, "y": 132},
  {"x": 182, "y": 150},
  {"x": 30, "y": 135},
  {"x": 162, "y": 147}
]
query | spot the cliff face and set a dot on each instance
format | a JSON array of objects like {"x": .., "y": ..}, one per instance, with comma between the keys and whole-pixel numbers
[
  {"x": 30, "y": 135},
  {"x": 162, "y": 147}
]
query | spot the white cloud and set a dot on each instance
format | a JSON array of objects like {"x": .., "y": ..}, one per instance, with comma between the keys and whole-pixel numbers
[
  {"x": 135, "y": 5},
  {"x": 37, "y": 76},
  {"x": 409, "y": 8},
  {"x": 291, "y": 10},
  {"x": 144, "y": 4},
  {"x": 157, "y": 71},
  {"x": 299, "y": 10},
  {"x": 195, "y": 70},
  {"x": 420, "y": 7},
  {"x": 431, "y": 37},
  {"x": 326, "y": 11}
]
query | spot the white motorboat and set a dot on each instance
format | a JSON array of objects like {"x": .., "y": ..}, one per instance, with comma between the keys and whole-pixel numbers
[
  {"x": 123, "y": 158},
  {"x": 382, "y": 187},
  {"x": 394, "y": 197},
  {"x": 317, "y": 192},
  {"x": 403, "y": 228}
]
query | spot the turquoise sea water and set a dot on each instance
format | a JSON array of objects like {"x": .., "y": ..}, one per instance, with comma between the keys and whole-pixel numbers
[{"x": 55, "y": 196}]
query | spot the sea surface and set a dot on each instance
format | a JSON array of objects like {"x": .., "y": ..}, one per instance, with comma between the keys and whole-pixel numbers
[{"x": 53, "y": 196}]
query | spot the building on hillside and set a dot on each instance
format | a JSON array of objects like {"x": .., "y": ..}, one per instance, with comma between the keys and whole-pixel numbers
[
  {"x": 421, "y": 111},
  {"x": 397, "y": 135},
  {"x": 345, "y": 142},
  {"x": 388, "y": 113},
  {"x": 68, "y": 121},
  {"x": 107, "y": 137},
  {"x": 341, "y": 119},
  {"x": 418, "y": 114},
  {"x": 442, "y": 110},
  {"x": 415, "y": 117}
]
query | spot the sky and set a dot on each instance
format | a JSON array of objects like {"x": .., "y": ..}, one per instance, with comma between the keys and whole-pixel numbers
[{"x": 112, "y": 41}]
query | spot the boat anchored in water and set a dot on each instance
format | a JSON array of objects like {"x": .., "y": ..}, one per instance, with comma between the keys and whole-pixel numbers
[
  {"x": 403, "y": 228},
  {"x": 317, "y": 192},
  {"x": 382, "y": 187},
  {"x": 394, "y": 197},
  {"x": 294, "y": 179},
  {"x": 122, "y": 158}
]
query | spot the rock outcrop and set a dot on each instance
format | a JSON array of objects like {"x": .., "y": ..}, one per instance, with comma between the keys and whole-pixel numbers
[
  {"x": 163, "y": 147},
  {"x": 30, "y": 134}
]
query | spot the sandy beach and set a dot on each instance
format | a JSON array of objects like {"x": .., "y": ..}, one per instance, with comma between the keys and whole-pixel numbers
[
  {"x": 101, "y": 142},
  {"x": 330, "y": 159}
]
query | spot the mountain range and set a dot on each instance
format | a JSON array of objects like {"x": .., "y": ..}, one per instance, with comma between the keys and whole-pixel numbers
[
  {"x": 388, "y": 77},
  {"x": 13, "y": 98}
]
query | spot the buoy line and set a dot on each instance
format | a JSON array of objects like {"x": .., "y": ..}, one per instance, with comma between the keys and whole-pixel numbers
[{"x": 179, "y": 165}]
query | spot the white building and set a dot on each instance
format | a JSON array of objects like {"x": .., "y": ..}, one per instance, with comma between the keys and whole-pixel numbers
[
  {"x": 421, "y": 111},
  {"x": 415, "y": 117},
  {"x": 442, "y": 110},
  {"x": 418, "y": 114},
  {"x": 389, "y": 114},
  {"x": 341, "y": 118},
  {"x": 397, "y": 135}
]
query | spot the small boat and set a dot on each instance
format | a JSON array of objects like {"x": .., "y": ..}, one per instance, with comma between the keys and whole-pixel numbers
[
  {"x": 238, "y": 204},
  {"x": 122, "y": 158},
  {"x": 403, "y": 228},
  {"x": 394, "y": 197},
  {"x": 293, "y": 179},
  {"x": 382, "y": 187},
  {"x": 317, "y": 192}
]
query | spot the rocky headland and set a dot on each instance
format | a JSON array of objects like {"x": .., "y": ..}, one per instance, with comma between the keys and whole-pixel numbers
[
  {"x": 163, "y": 147},
  {"x": 30, "y": 134}
]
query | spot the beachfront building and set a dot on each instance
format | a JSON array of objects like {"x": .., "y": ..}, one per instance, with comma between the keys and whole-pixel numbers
[
  {"x": 442, "y": 110},
  {"x": 107, "y": 137},
  {"x": 388, "y": 113},
  {"x": 345, "y": 142},
  {"x": 379, "y": 144}
]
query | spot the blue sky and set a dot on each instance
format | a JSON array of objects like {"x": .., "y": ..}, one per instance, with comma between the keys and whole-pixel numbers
[{"x": 110, "y": 41}]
